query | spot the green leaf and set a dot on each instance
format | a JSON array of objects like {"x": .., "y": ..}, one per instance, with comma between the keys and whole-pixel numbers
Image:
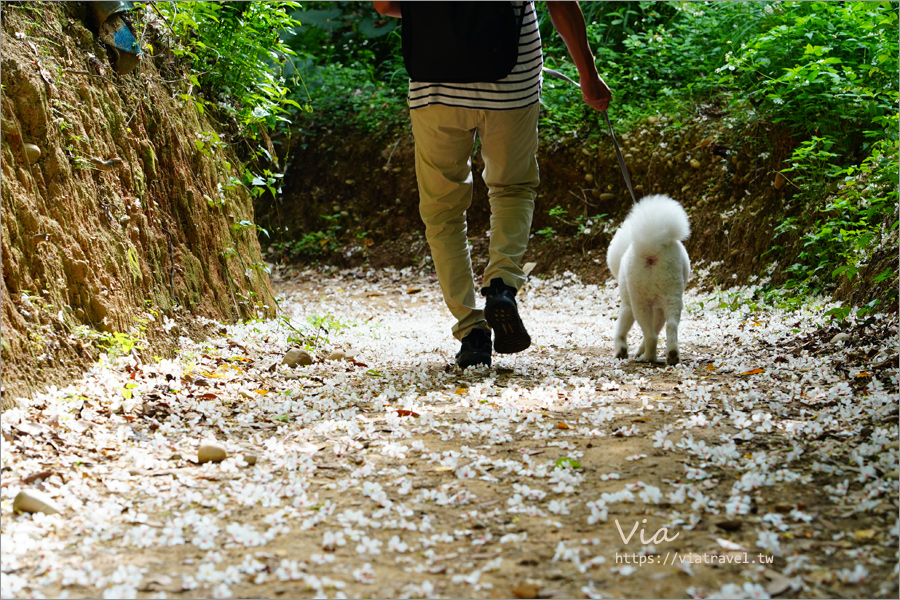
[{"x": 567, "y": 463}]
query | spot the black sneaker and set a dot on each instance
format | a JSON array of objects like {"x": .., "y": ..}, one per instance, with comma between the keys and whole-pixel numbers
[
  {"x": 475, "y": 350},
  {"x": 502, "y": 315}
]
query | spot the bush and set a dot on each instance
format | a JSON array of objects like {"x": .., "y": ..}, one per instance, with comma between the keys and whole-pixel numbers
[
  {"x": 351, "y": 65},
  {"x": 823, "y": 68},
  {"x": 237, "y": 55},
  {"x": 655, "y": 56}
]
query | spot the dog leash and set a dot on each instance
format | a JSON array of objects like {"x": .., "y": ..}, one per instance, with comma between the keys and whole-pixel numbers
[{"x": 622, "y": 167}]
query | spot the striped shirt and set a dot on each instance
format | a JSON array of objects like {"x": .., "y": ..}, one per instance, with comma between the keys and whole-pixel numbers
[{"x": 521, "y": 88}]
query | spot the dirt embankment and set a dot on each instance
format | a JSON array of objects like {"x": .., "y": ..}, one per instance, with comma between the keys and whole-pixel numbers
[{"x": 115, "y": 221}]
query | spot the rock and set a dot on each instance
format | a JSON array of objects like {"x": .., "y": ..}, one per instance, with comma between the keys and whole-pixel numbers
[
  {"x": 33, "y": 501},
  {"x": 295, "y": 357},
  {"x": 32, "y": 153},
  {"x": 652, "y": 120},
  {"x": 337, "y": 355},
  {"x": 779, "y": 181},
  {"x": 695, "y": 163},
  {"x": 250, "y": 459},
  {"x": 589, "y": 178},
  {"x": 841, "y": 337},
  {"x": 527, "y": 590},
  {"x": 80, "y": 270},
  {"x": 606, "y": 197},
  {"x": 211, "y": 451},
  {"x": 98, "y": 308}
]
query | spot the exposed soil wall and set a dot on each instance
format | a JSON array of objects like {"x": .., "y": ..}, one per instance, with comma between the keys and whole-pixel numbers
[{"x": 117, "y": 222}]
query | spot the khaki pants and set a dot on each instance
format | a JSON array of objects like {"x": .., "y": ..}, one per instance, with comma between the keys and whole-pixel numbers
[{"x": 445, "y": 137}]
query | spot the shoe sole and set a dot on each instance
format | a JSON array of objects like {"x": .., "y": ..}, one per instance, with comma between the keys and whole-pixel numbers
[
  {"x": 473, "y": 362},
  {"x": 510, "y": 335}
]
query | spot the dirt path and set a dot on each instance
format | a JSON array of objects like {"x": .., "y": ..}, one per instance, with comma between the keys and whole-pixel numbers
[{"x": 765, "y": 464}]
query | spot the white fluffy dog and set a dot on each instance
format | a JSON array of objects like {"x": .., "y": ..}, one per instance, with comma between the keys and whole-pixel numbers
[{"x": 652, "y": 267}]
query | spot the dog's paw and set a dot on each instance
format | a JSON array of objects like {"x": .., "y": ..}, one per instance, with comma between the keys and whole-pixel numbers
[
  {"x": 672, "y": 358},
  {"x": 622, "y": 353}
]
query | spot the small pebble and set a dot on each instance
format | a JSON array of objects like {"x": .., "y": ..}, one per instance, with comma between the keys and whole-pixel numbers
[
  {"x": 779, "y": 181},
  {"x": 32, "y": 153},
  {"x": 211, "y": 452},
  {"x": 33, "y": 501},
  {"x": 296, "y": 357}
]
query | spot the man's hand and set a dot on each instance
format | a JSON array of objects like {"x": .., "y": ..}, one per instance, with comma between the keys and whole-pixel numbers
[
  {"x": 568, "y": 20},
  {"x": 388, "y": 8},
  {"x": 595, "y": 92}
]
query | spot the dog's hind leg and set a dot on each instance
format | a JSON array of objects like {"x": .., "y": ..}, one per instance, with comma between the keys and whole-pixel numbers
[
  {"x": 673, "y": 317},
  {"x": 647, "y": 319},
  {"x": 623, "y": 325}
]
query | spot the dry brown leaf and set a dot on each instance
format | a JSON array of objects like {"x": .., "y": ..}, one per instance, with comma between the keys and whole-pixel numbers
[
  {"x": 778, "y": 583},
  {"x": 41, "y": 475}
]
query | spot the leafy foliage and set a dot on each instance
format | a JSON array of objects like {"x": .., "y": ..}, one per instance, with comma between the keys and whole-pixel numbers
[
  {"x": 838, "y": 236},
  {"x": 827, "y": 71},
  {"x": 311, "y": 245},
  {"x": 237, "y": 54},
  {"x": 825, "y": 68},
  {"x": 351, "y": 65}
]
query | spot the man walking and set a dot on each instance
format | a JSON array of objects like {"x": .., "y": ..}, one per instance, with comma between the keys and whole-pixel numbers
[{"x": 494, "y": 94}]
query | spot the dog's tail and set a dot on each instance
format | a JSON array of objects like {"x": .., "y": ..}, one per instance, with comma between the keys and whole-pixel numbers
[{"x": 658, "y": 220}]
